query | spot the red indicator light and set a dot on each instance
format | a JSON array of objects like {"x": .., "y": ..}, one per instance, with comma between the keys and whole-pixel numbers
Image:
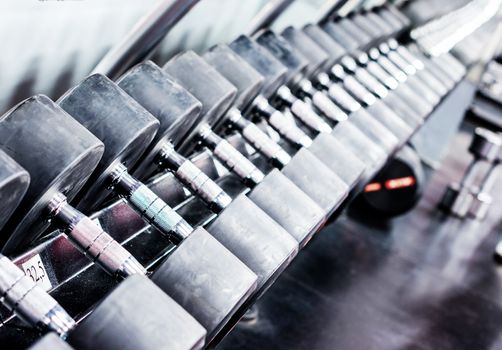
[
  {"x": 373, "y": 187},
  {"x": 400, "y": 182}
]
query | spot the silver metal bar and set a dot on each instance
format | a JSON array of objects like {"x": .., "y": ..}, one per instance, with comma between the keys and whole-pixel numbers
[{"x": 140, "y": 42}]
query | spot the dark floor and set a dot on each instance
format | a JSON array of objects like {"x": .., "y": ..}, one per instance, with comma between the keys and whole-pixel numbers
[{"x": 423, "y": 281}]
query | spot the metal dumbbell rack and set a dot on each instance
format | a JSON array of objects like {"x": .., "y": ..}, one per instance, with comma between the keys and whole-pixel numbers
[{"x": 60, "y": 268}]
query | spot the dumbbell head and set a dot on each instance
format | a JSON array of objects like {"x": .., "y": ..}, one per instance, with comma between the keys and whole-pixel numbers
[
  {"x": 245, "y": 78},
  {"x": 195, "y": 75},
  {"x": 317, "y": 57},
  {"x": 297, "y": 64},
  {"x": 206, "y": 280},
  {"x": 115, "y": 118},
  {"x": 335, "y": 51},
  {"x": 485, "y": 144},
  {"x": 176, "y": 109},
  {"x": 14, "y": 182},
  {"x": 264, "y": 62},
  {"x": 138, "y": 315},
  {"x": 58, "y": 152},
  {"x": 341, "y": 36}
]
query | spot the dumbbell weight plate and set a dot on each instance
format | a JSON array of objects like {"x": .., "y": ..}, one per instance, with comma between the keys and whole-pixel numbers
[
  {"x": 138, "y": 315},
  {"x": 34, "y": 133},
  {"x": 177, "y": 111},
  {"x": 211, "y": 112},
  {"x": 206, "y": 280},
  {"x": 14, "y": 182},
  {"x": 123, "y": 125}
]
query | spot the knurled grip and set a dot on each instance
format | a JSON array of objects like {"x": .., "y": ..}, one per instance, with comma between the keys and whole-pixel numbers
[
  {"x": 237, "y": 163},
  {"x": 205, "y": 188},
  {"x": 101, "y": 248},
  {"x": 265, "y": 145},
  {"x": 395, "y": 72},
  {"x": 289, "y": 130},
  {"x": 343, "y": 98},
  {"x": 378, "y": 72},
  {"x": 358, "y": 90},
  {"x": 371, "y": 82},
  {"x": 327, "y": 107},
  {"x": 30, "y": 302},
  {"x": 160, "y": 215},
  {"x": 303, "y": 112}
]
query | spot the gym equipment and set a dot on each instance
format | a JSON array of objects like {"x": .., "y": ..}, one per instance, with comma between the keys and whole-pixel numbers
[
  {"x": 358, "y": 142},
  {"x": 304, "y": 170},
  {"x": 116, "y": 323},
  {"x": 148, "y": 85},
  {"x": 397, "y": 187},
  {"x": 482, "y": 198},
  {"x": 297, "y": 65},
  {"x": 71, "y": 150},
  {"x": 58, "y": 175},
  {"x": 244, "y": 78},
  {"x": 325, "y": 42},
  {"x": 458, "y": 197},
  {"x": 14, "y": 182}
]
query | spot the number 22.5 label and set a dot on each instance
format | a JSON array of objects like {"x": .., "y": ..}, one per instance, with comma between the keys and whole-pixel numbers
[{"x": 34, "y": 268}]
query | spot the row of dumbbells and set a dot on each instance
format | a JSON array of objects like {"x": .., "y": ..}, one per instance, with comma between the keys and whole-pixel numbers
[{"x": 325, "y": 107}]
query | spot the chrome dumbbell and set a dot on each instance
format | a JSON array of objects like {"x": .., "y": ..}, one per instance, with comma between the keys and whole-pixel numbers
[
  {"x": 458, "y": 197},
  {"x": 482, "y": 198}
]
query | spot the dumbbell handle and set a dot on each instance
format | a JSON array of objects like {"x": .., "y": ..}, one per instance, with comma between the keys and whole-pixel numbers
[
  {"x": 193, "y": 178},
  {"x": 91, "y": 240},
  {"x": 322, "y": 102},
  {"x": 150, "y": 206},
  {"x": 230, "y": 157},
  {"x": 280, "y": 123},
  {"x": 490, "y": 178},
  {"x": 302, "y": 111},
  {"x": 258, "y": 139},
  {"x": 30, "y": 302},
  {"x": 471, "y": 173}
]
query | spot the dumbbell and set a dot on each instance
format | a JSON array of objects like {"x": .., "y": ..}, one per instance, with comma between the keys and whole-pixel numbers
[
  {"x": 116, "y": 323},
  {"x": 307, "y": 172},
  {"x": 379, "y": 32},
  {"x": 401, "y": 119},
  {"x": 14, "y": 182},
  {"x": 383, "y": 67},
  {"x": 482, "y": 198},
  {"x": 389, "y": 127},
  {"x": 70, "y": 155},
  {"x": 263, "y": 245},
  {"x": 358, "y": 141},
  {"x": 276, "y": 195},
  {"x": 246, "y": 79},
  {"x": 434, "y": 74},
  {"x": 458, "y": 197},
  {"x": 413, "y": 91},
  {"x": 400, "y": 102}
]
